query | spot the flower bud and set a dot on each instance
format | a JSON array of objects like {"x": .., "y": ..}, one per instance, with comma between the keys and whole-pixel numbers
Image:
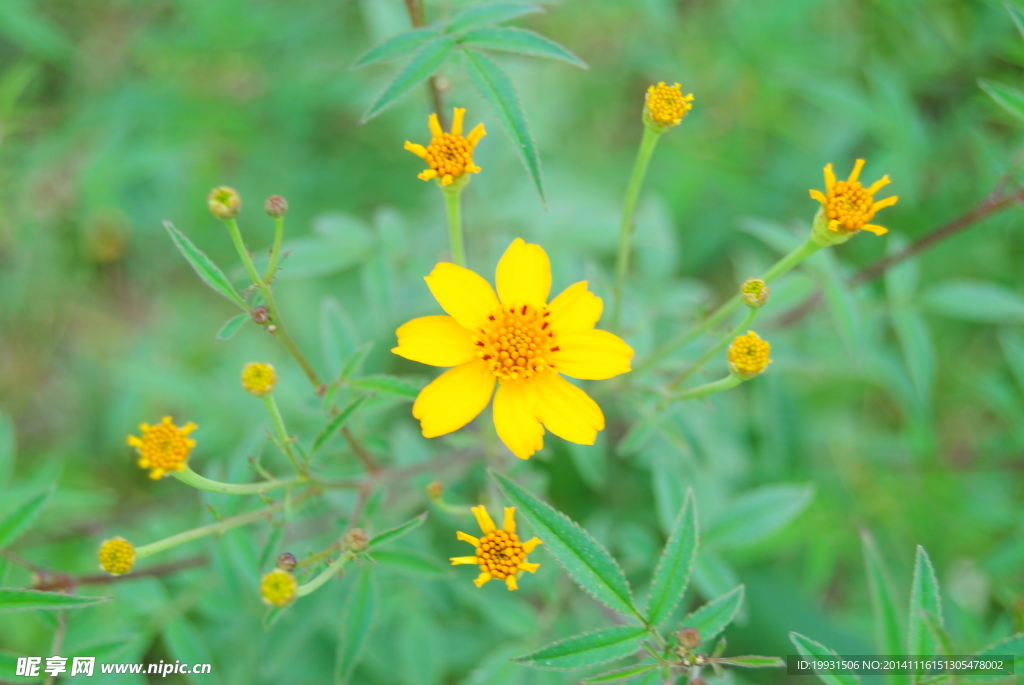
[
  {"x": 748, "y": 356},
  {"x": 286, "y": 561},
  {"x": 276, "y": 206},
  {"x": 259, "y": 379},
  {"x": 278, "y": 588},
  {"x": 356, "y": 540},
  {"x": 435, "y": 490},
  {"x": 689, "y": 638},
  {"x": 224, "y": 202},
  {"x": 665, "y": 106},
  {"x": 117, "y": 556},
  {"x": 260, "y": 315},
  {"x": 755, "y": 293}
]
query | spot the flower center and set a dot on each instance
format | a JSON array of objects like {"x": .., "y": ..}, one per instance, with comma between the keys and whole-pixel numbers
[
  {"x": 667, "y": 105},
  {"x": 500, "y": 553},
  {"x": 748, "y": 354},
  {"x": 850, "y": 205},
  {"x": 164, "y": 447},
  {"x": 449, "y": 154},
  {"x": 516, "y": 342}
]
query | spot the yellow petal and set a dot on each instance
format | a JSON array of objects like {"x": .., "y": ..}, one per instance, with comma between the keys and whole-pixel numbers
[
  {"x": 527, "y": 566},
  {"x": 134, "y": 441},
  {"x": 435, "y": 126},
  {"x": 454, "y": 398},
  {"x": 483, "y": 519},
  {"x": 447, "y": 180},
  {"x": 882, "y": 204},
  {"x": 416, "y": 149},
  {"x": 457, "y": 121},
  {"x": 510, "y": 520},
  {"x": 456, "y": 561},
  {"x": 435, "y": 340},
  {"x": 482, "y": 579},
  {"x": 878, "y": 185},
  {"x": 515, "y": 418},
  {"x": 566, "y": 410},
  {"x": 530, "y": 545},
  {"x": 855, "y": 174},
  {"x": 817, "y": 195},
  {"x": 476, "y": 134},
  {"x": 510, "y": 582},
  {"x": 427, "y": 174},
  {"x": 462, "y": 293},
  {"x": 874, "y": 228},
  {"x": 830, "y": 177},
  {"x": 592, "y": 355},
  {"x": 575, "y": 309},
  {"x": 524, "y": 274},
  {"x": 465, "y": 537}
]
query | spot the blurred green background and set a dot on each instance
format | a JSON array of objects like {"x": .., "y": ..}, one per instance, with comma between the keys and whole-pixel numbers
[{"x": 896, "y": 407}]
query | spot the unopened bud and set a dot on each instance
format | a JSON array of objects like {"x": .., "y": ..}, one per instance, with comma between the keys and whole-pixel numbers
[
  {"x": 755, "y": 292},
  {"x": 435, "y": 490},
  {"x": 748, "y": 355},
  {"x": 276, "y": 206},
  {"x": 224, "y": 202},
  {"x": 356, "y": 540},
  {"x": 286, "y": 561},
  {"x": 260, "y": 315},
  {"x": 689, "y": 638}
]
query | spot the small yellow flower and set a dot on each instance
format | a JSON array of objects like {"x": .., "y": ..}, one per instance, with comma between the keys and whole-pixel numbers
[
  {"x": 499, "y": 553},
  {"x": 259, "y": 379},
  {"x": 163, "y": 447},
  {"x": 278, "y": 588},
  {"x": 847, "y": 205},
  {"x": 117, "y": 556},
  {"x": 521, "y": 342},
  {"x": 748, "y": 355},
  {"x": 666, "y": 105},
  {"x": 755, "y": 292},
  {"x": 224, "y": 202},
  {"x": 449, "y": 155}
]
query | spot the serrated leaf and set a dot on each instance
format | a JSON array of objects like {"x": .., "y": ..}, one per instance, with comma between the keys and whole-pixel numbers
[
  {"x": 232, "y": 326},
  {"x": 334, "y": 426},
  {"x": 753, "y": 661},
  {"x": 204, "y": 267},
  {"x": 386, "y": 386},
  {"x": 887, "y": 628},
  {"x": 18, "y": 521},
  {"x": 979, "y": 301},
  {"x": 357, "y": 621},
  {"x": 8, "y": 448},
  {"x": 810, "y": 648},
  {"x": 396, "y": 46},
  {"x": 587, "y": 562},
  {"x": 621, "y": 675},
  {"x": 490, "y": 13},
  {"x": 411, "y": 562},
  {"x": 672, "y": 574},
  {"x": 715, "y": 616},
  {"x": 397, "y": 531},
  {"x": 519, "y": 41},
  {"x": 14, "y": 599},
  {"x": 924, "y": 600},
  {"x": 1007, "y": 97},
  {"x": 497, "y": 90},
  {"x": 1013, "y": 645},
  {"x": 758, "y": 513},
  {"x": 589, "y": 649},
  {"x": 423, "y": 64}
]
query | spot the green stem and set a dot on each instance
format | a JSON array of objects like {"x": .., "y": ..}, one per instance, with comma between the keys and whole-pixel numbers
[
  {"x": 190, "y": 477},
  {"x": 282, "y": 432},
  {"x": 275, "y": 251},
  {"x": 453, "y": 207},
  {"x": 325, "y": 575},
  {"x": 643, "y": 158},
  {"x": 715, "y": 349},
  {"x": 726, "y": 383}
]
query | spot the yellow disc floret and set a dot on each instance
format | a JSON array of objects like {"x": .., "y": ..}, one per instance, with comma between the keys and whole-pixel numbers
[
  {"x": 517, "y": 341},
  {"x": 847, "y": 205},
  {"x": 117, "y": 556},
  {"x": 164, "y": 447},
  {"x": 666, "y": 105},
  {"x": 754, "y": 292},
  {"x": 278, "y": 588},
  {"x": 499, "y": 553},
  {"x": 449, "y": 155},
  {"x": 748, "y": 355},
  {"x": 259, "y": 379}
]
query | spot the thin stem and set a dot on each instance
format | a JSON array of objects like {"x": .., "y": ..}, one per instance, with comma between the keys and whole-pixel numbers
[
  {"x": 155, "y": 571},
  {"x": 58, "y": 640},
  {"x": 325, "y": 575},
  {"x": 727, "y": 383},
  {"x": 369, "y": 463},
  {"x": 275, "y": 251},
  {"x": 453, "y": 207},
  {"x": 416, "y": 18},
  {"x": 190, "y": 477},
  {"x": 282, "y": 432},
  {"x": 643, "y": 158},
  {"x": 715, "y": 349}
]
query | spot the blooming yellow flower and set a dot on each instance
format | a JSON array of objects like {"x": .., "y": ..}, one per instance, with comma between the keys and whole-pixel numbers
[
  {"x": 449, "y": 155},
  {"x": 117, "y": 556},
  {"x": 499, "y": 553},
  {"x": 522, "y": 342},
  {"x": 666, "y": 105},
  {"x": 163, "y": 447},
  {"x": 748, "y": 355},
  {"x": 258, "y": 379},
  {"x": 848, "y": 205},
  {"x": 278, "y": 588}
]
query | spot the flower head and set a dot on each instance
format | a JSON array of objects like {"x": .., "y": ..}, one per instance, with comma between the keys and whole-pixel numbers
[
  {"x": 259, "y": 379},
  {"x": 499, "y": 553},
  {"x": 278, "y": 588},
  {"x": 665, "y": 106},
  {"x": 117, "y": 556},
  {"x": 224, "y": 202},
  {"x": 449, "y": 155},
  {"x": 748, "y": 355},
  {"x": 754, "y": 292},
  {"x": 847, "y": 205},
  {"x": 163, "y": 447},
  {"x": 519, "y": 341}
]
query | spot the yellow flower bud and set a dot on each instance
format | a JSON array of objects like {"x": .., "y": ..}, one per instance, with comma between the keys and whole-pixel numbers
[
  {"x": 117, "y": 556},
  {"x": 665, "y": 106},
  {"x": 278, "y": 588},
  {"x": 748, "y": 355},
  {"x": 224, "y": 202},
  {"x": 754, "y": 293},
  {"x": 259, "y": 379}
]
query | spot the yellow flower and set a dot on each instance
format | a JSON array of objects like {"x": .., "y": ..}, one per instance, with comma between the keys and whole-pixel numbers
[
  {"x": 278, "y": 588},
  {"x": 449, "y": 155},
  {"x": 117, "y": 556},
  {"x": 163, "y": 447},
  {"x": 259, "y": 379},
  {"x": 847, "y": 205},
  {"x": 521, "y": 342},
  {"x": 499, "y": 553},
  {"x": 748, "y": 355},
  {"x": 666, "y": 105}
]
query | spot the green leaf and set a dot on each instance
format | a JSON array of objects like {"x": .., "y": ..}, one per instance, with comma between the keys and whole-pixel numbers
[
  {"x": 490, "y": 13},
  {"x": 355, "y": 361},
  {"x": 715, "y": 616},
  {"x": 18, "y": 521},
  {"x": 754, "y": 661},
  {"x": 583, "y": 558},
  {"x": 1010, "y": 99},
  {"x": 232, "y": 326},
  {"x": 887, "y": 628},
  {"x": 589, "y": 649},
  {"x": 1017, "y": 14},
  {"x": 187, "y": 644},
  {"x": 758, "y": 513},
  {"x": 204, "y": 266},
  {"x": 357, "y": 621},
  {"x": 672, "y": 574},
  {"x": 917, "y": 348},
  {"x": 8, "y": 448},
  {"x": 1013, "y": 645},
  {"x": 809, "y": 647},
  {"x": 1011, "y": 341},
  {"x": 496, "y": 88},
  {"x": 979, "y": 301},
  {"x": 396, "y": 46},
  {"x": 411, "y": 562},
  {"x": 9, "y": 670},
  {"x": 621, "y": 675},
  {"x": 338, "y": 337},
  {"x": 15, "y": 599},
  {"x": 423, "y": 64},
  {"x": 397, "y": 532},
  {"x": 386, "y": 386},
  {"x": 334, "y": 426},
  {"x": 924, "y": 601},
  {"x": 520, "y": 41}
]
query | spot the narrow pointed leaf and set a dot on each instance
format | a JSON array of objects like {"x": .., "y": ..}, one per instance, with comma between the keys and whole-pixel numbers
[
  {"x": 423, "y": 64},
  {"x": 520, "y": 41},
  {"x": 754, "y": 661},
  {"x": 397, "y": 46},
  {"x": 810, "y": 648},
  {"x": 397, "y": 532},
  {"x": 887, "y": 627},
  {"x": 924, "y": 599},
  {"x": 12, "y": 599},
  {"x": 672, "y": 574},
  {"x": 1007, "y": 97},
  {"x": 712, "y": 618},
  {"x": 1013, "y": 645},
  {"x": 757, "y": 514},
  {"x": 335, "y": 425},
  {"x": 204, "y": 266},
  {"x": 621, "y": 675},
  {"x": 357, "y": 622},
  {"x": 232, "y": 326},
  {"x": 18, "y": 521},
  {"x": 496, "y": 88},
  {"x": 589, "y": 649},
  {"x": 489, "y": 14},
  {"x": 583, "y": 558},
  {"x": 355, "y": 361}
]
